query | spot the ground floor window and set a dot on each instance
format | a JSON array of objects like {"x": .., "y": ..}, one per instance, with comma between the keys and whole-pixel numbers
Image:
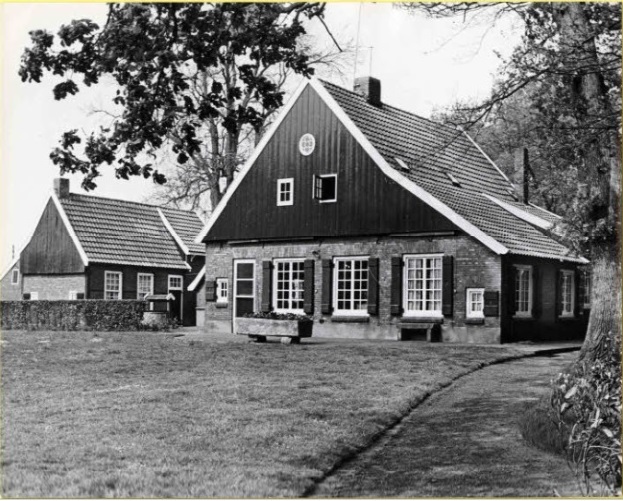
[
  {"x": 351, "y": 286},
  {"x": 112, "y": 284},
  {"x": 523, "y": 290},
  {"x": 144, "y": 285},
  {"x": 475, "y": 301},
  {"x": 422, "y": 285},
  {"x": 289, "y": 283},
  {"x": 222, "y": 290},
  {"x": 567, "y": 292}
]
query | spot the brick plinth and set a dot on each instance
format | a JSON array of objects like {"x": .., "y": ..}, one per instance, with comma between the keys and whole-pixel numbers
[{"x": 53, "y": 286}]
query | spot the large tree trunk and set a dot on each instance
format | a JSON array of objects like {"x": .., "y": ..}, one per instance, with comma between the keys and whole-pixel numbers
[{"x": 602, "y": 175}]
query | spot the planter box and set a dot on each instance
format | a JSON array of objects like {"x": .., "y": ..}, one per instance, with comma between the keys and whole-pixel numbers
[{"x": 271, "y": 327}]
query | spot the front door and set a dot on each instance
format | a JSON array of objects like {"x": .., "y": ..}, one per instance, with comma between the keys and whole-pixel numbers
[
  {"x": 244, "y": 287},
  {"x": 176, "y": 289}
]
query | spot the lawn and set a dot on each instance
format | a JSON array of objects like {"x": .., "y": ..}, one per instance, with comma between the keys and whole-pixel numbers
[{"x": 155, "y": 415}]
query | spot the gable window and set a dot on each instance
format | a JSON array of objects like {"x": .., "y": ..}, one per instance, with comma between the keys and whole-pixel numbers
[
  {"x": 285, "y": 191},
  {"x": 222, "y": 290},
  {"x": 112, "y": 284},
  {"x": 289, "y": 283},
  {"x": 523, "y": 291},
  {"x": 351, "y": 286},
  {"x": 475, "y": 302},
  {"x": 307, "y": 144},
  {"x": 422, "y": 285},
  {"x": 15, "y": 277},
  {"x": 325, "y": 188},
  {"x": 567, "y": 292},
  {"x": 144, "y": 285}
]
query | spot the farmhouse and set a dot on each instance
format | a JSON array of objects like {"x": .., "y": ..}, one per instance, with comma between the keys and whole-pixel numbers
[
  {"x": 382, "y": 224},
  {"x": 87, "y": 247}
]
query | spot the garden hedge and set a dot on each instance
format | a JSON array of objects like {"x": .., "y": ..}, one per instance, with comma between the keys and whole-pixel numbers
[{"x": 66, "y": 315}]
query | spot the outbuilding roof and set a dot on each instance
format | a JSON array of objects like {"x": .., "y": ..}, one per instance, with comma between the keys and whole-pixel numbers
[
  {"x": 435, "y": 155},
  {"x": 121, "y": 232}
]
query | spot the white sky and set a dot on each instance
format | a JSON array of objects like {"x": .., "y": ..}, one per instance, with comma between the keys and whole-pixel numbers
[{"x": 423, "y": 65}]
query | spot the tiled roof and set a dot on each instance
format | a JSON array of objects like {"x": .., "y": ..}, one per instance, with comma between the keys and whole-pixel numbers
[
  {"x": 431, "y": 151},
  {"x": 121, "y": 232},
  {"x": 187, "y": 225}
]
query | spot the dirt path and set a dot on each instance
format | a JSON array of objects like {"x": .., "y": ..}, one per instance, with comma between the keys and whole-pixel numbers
[{"x": 463, "y": 441}]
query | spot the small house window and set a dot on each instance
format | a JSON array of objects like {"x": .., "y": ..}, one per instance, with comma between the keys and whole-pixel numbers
[
  {"x": 285, "y": 191},
  {"x": 351, "y": 286},
  {"x": 112, "y": 284},
  {"x": 144, "y": 285},
  {"x": 307, "y": 143},
  {"x": 222, "y": 290},
  {"x": 475, "y": 303},
  {"x": 422, "y": 284},
  {"x": 34, "y": 296},
  {"x": 523, "y": 291},
  {"x": 15, "y": 277},
  {"x": 26, "y": 296},
  {"x": 75, "y": 295},
  {"x": 325, "y": 188},
  {"x": 175, "y": 282},
  {"x": 289, "y": 283},
  {"x": 567, "y": 292}
]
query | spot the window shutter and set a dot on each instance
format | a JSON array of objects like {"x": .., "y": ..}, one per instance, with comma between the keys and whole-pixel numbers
[
  {"x": 447, "y": 294},
  {"x": 210, "y": 290},
  {"x": 537, "y": 300},
  {"x": 580, "y": 285},
  {"x": 511, "y": 293},
  {"x": 492, "y": 304},
  {"x": 267, "y": 289},
  {"x": 558, "y": 293},
  {"x": 396, "y": 287},
  {"x": 373, "y": 286},
  {"x": 327, "y": 286},
  {"x": 308, "y": 287},
  {"x": 577, "y": 280}
]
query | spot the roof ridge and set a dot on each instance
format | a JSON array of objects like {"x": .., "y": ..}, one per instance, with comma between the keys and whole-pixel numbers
[{"x": 144, "y": 204}]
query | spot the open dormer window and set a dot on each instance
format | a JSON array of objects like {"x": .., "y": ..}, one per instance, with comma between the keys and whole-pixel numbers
[
  {"x": 513, "y": 194},
  {"x": 325, "y": 188},
  {"x": 402, "y": 164}
]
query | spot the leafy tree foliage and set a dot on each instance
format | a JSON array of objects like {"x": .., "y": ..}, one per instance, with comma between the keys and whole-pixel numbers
[{"x": 192, "y": 79}]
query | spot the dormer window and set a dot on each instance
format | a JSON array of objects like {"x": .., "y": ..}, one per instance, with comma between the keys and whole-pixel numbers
[
  {"x": 325, "y": 188},
  {"x": 513, "y": 194},
  {"x": 307, "y": 143},
  {"x": 285, "y": 191},
  {"x": 402, "y": 164},
  {"x": 453, "y": 180}
]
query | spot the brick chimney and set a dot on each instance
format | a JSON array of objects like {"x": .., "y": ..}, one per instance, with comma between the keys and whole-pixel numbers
[
  {"x": 370, "y": 88},
  {"x": 61, "y": 187},
  {"x": 521, "y": 172}
]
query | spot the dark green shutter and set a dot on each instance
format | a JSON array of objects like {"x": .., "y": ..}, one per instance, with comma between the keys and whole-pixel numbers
[
  {"x": 210, "y": 291},
  {"x": 267, "y": 289},
  {"x": 373, "y": 286},
  {"x": 492, "y": 303},
  {"x": 447, "y": 294},
  {"x": 537, "y": 296},
  {"x": 327, "y": 286},
  {"x": 308, "y": 287},
  {"x": 396, "y": 286},
  {"x": 511, "y": 293}
]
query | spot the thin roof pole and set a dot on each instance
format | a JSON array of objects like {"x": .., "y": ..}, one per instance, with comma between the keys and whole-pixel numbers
[{"x": 357, "y": 43}]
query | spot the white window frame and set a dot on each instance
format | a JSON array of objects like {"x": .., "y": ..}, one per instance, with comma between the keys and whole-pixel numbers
[
  {"x": 586, "y": 277},
  {"x": 528, "y": 313},
  {"x": 14, "y": 280},
  {"x": 571, "y": 275},
  {"x": 34, "y": 296},
  {"x": 469, "y": 312},
  {"x": 138, "y": 282},
  {"x": 222, "y": 290},
  {"x": 405, "y": 282},
  {"x": 280, "y": 184},
  {"x": 324, "y": 176},
  {"x": 276, "y": 288},
  {"x": 253, "y": 279},
  {"x": 119, "y": 291},
  {"x": 349, "y": 312},
  {"x": 176, "y": 288}
]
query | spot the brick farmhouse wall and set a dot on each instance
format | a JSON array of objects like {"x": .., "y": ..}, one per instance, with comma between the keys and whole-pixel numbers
[
  {"x": 474, "y": 266},
  {"x": 53, "y": 286}
]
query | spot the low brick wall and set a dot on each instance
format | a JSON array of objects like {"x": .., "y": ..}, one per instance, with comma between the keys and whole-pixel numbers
[{"x": 68, "y": 315}]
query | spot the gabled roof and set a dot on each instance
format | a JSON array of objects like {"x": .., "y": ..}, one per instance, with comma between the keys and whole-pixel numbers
[
  {"x": 186, "y": 226},
  {"x": 395, "y": 138},
  {"x": 121, "y": 232}
]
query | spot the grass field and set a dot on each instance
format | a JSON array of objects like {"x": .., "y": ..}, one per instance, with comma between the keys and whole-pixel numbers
[{"x": 154, "y": 415}]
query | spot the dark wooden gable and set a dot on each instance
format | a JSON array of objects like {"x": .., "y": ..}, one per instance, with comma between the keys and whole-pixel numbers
[
  {"x": 368, "y": 202},
  {"x": 51, "y": 249}
]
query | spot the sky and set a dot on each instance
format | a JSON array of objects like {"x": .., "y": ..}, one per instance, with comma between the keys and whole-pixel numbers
[{"x": 423, "y": 64}]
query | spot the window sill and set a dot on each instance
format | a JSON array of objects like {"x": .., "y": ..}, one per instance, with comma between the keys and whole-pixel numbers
[
  {"x": 350, "y": 319},
  {"x": 475, "y": 321},
  {"x": 221, "y": 305},
  {"x": 421, "y": 320}
]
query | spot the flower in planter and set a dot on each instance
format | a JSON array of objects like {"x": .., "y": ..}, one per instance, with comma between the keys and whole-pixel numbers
[{"x": 272, "y": 315}]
